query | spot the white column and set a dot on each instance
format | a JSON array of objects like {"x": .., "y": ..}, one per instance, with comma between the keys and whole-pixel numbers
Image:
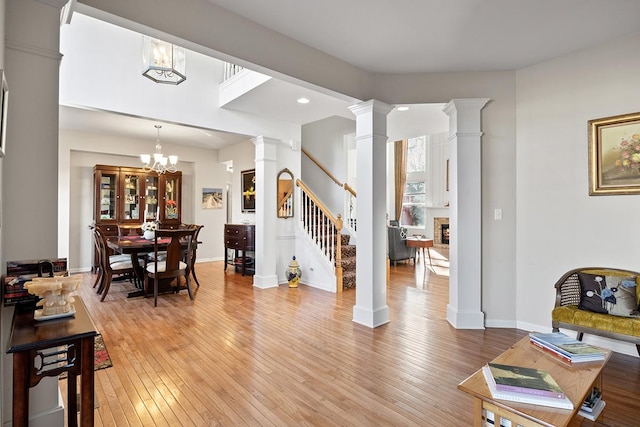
[
  {"x": 371, "y": 141},
  {"x": 464, "y": 310},
  {"x": 30, "y": 194},
  {"x": 266, "y": 200}
]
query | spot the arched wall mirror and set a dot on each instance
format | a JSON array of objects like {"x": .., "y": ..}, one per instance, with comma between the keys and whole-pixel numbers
[{"x": 285, "y": 194}]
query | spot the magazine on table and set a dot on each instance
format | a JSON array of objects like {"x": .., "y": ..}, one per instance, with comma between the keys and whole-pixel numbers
[
  {"x": 520, "y": 379},
  {"x": 533, "y": 399},
  {"x": 569, "y": 347}
]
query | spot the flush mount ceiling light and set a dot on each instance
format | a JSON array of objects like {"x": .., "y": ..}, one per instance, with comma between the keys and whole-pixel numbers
[
  {"x": 161, "y": 164},
  {"x": 303, "y": 100},
  {"x": 163, "y": 62},
  {"x": 403, "y": 108}
]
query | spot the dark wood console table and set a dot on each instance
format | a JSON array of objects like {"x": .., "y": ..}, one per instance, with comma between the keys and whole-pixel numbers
[
  {"x": 48, "y": 348},
  {"x": 241, "y": 238}
]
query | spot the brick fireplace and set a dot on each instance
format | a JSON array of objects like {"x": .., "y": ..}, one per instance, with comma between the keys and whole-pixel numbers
[{"x": 441, "y": 232}]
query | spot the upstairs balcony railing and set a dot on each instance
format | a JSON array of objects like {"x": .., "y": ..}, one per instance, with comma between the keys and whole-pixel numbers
[{"x": 231, "y": 70}]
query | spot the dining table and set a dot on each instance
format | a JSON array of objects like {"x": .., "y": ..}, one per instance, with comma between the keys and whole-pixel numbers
[{"x": 136, "y": 246}]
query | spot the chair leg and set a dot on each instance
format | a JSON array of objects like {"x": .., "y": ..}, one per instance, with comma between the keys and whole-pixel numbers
[
  {"x": 107, "y": 284},
  {"x": 188, "y": 287},
  {"x": 99, "y": 276},
  {"x": 155, "y": 291},
  {"x": 145, "y": 286},
  {"x": 193, "y": 271},
  {"x": 100, "y": 282}
]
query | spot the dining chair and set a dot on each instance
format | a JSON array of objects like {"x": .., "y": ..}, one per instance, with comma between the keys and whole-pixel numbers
[
  {"x": 174, "y": 266},
  {"x": 129, "y": 230},
  {"x": 110, "y": 264},
  {"x": 97, "y": 242},
  {"x": 194, "y": 249},
  {"x": 133, "y": 230}
]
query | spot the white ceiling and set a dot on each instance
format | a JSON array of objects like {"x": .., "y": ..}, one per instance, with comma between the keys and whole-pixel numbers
[
  {"x": 384, "y": 36},
  {"x": 409, "y": 36}
]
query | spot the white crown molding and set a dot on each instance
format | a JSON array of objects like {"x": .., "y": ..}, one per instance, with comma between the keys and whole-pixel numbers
[
  {"x": 34, "y": 50},
  {"x": 59, "y": 4}
]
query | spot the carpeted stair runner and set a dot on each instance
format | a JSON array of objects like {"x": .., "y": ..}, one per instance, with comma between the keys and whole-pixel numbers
[{"x": 348, "y": 262}]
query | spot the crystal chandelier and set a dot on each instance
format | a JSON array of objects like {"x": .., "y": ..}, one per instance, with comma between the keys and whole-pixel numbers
[
  {"x": 161, "y": 164},
  {"x": 163, "y": 62}
]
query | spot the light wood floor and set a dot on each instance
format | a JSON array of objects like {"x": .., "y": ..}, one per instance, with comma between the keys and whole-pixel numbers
[{"x": 239, "y": 356}]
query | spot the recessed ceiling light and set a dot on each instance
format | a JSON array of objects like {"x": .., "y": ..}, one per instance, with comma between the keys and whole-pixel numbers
[
  {"x": 403, "y": 108},
  {"x": 303, "y": 100}
]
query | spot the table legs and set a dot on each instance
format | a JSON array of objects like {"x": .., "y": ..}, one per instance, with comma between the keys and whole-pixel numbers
[
  {"x": 86, "y": 383},
  {"x": 23, "y": 377},
  {"x": 428, "y": 253}
]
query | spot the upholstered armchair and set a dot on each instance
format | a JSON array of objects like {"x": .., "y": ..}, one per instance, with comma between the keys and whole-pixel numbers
[{"x": 398, "y": 249}]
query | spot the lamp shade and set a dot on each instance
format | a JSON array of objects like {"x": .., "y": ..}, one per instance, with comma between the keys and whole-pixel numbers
[{"x": 163, "y": 62}]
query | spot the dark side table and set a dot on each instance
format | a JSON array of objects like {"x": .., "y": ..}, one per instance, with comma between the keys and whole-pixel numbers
[{"x": 48, "y": 348}]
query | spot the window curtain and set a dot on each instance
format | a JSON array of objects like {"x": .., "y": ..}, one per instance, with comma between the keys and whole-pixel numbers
[{"x": 400, "y": 168}]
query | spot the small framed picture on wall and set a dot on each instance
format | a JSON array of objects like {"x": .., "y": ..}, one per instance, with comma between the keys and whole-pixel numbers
[
  {"x": 212, "y": 198},
  {"x": 248, "y": 182}
]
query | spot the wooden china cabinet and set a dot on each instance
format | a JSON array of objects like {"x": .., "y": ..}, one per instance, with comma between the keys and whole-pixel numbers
[{"x": 125, "y": 195}]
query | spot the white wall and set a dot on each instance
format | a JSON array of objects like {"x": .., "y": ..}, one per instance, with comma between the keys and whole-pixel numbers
[
  {"x": 5, "y": 315},
  {"x": 560, "y": 226},
  {"x": 79, "y": 152},
  {"x": 29, "y": 208},
  {"x": 324, "y": 140}
]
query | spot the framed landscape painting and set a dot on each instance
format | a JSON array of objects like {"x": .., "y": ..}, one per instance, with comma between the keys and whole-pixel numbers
[
  {"x": 212, "y": 198},
  {"x": 614, "y": 155},
  {"x": 248, "y": 182}
]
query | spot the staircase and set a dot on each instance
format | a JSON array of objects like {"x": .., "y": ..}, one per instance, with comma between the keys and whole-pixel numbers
[{"x": 324, "y": 230}]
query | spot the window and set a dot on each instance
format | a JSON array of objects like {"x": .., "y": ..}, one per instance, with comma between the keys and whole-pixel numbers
[{"x": 414, "y": 200}]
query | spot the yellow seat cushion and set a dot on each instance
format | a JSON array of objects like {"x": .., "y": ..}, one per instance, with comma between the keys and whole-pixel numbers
[{"x": 606, "y": 322}]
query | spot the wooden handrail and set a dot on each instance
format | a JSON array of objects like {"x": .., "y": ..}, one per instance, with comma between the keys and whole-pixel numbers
[
  {"x": 313, "y": 159},
  {"x": 350, "y": 189},
  {"x": 323, "y": 208},
  {"x": 284, "y": 198},
  {"x": 337, "y": 223}
]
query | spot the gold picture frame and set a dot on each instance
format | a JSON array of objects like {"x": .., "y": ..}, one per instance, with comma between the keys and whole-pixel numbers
[{"x": 614, "y": 155}]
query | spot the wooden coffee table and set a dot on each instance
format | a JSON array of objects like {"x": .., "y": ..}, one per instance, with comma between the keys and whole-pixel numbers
[
  {"x": 575, "y": 380},
  {"x": 421, "y": 243}
]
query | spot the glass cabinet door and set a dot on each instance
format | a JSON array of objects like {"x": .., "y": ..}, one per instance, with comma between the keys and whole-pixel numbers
[
  {"x": 172, "y": 189},
  {"x": 131, "y": 196},
  {"x": 107, "y": 195},
  {"x": 151, "y": 198}
]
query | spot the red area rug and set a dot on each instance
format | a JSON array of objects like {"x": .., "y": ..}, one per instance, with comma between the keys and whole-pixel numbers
[{"x": 101, "y": 359}]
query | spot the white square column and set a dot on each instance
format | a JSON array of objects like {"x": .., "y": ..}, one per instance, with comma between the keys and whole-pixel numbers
[
  {"x": 464, "y": 310},
  {"x": 371, "y": 150},
  {"x": 265, "y": 275}
]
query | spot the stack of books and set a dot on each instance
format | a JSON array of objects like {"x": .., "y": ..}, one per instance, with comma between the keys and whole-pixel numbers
[
  {"x": 524, "y": 385},
  {"x": 592, "y": 405},
  {"x": 566, "y": 348}
]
